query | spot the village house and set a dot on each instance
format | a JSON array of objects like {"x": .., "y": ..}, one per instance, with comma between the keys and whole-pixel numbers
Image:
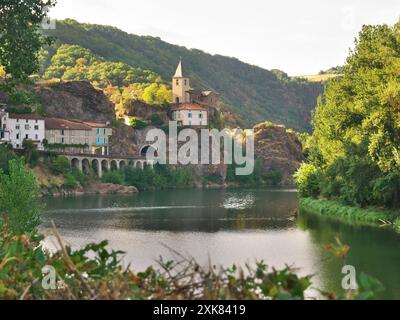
[
  {"x": 99, "y": 138},
  {"x": 78, "y": 136},
  {"x": 4, "y": 133},
  {"x": 19, "y": 127},
  {"x": 191, "y": 107},
  {"x": 190, "y": 114},
  {"x": 60, "y": 135},
  {"x": 73, "y": 136}
]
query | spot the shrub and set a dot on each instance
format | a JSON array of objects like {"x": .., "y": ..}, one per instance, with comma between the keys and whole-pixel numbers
[
  {"x": 19, "y": 199},
  {"x": 386, "y": 190},
  {"x": 156, "y": 120},
  {"x": 6, "y": 155},
  {"x": 82, "y": 178},
  {"x": 70, "y": 181},
  {"x": 60, "y": 165},
  {"x": 273, "y": 177},
  {"x": 138, "y": 123},
  {"x": 115, "y": 177},
  {"x": 307, "y": 180}
]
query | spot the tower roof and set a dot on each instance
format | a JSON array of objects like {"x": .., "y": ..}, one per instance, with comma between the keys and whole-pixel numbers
[{"x": 179, "y": 72}]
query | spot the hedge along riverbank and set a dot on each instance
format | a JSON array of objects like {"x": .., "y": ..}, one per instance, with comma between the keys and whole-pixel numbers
[{"x": 334, "y": 209}]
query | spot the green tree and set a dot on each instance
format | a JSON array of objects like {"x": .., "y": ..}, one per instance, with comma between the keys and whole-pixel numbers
[
  {"x": 29, "y": 149},
  {"x": 19, "y": 199},
  {"x": 20, "y": 39},
  {"x": 355, "y": 143}
]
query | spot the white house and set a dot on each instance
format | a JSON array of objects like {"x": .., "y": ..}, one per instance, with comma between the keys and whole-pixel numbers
[
  {"x": 20, "y": 127},
  {"x": 190, "y": 114},
  {"x": 4, "y": 133}
]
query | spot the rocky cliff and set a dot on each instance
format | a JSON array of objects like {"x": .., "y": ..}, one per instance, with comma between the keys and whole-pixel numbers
[
  {"x": 75, "y": 100},
  {"x": 278, "y": 149}
]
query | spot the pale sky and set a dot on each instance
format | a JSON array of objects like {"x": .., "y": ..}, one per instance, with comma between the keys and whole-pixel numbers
[{"x": 299, "y": 37}]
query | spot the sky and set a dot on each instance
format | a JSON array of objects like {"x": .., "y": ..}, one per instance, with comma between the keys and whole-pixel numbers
[{"x": 300, "y": 37}]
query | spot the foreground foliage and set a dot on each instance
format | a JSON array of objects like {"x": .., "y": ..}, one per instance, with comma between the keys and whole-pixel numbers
[
  {"x": 19, "y": 199},
  {"x": 94, "y": 272}
]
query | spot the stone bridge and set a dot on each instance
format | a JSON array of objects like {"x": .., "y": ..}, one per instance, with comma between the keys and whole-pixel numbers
[{"x": 84, "y": 162}]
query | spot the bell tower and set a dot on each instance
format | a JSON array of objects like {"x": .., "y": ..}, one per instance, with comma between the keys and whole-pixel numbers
[{"x": 180, "y": 86}]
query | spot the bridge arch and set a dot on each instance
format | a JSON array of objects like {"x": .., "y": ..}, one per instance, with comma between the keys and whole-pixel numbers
[
  {"x": 75, "y": 164},
  {"x": 96, "y": 166},
  {"x": 122, "y": 164},
  {"x": 114, "y": 165},
  {"x": 105, "y": 165},
  {"x": 139, "y": 164},
  {"x": 148, "y": 148},
  {"x": 85, "y": 166}
]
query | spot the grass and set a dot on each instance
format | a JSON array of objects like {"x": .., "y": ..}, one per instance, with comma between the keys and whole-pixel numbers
[
  {"x": 335, "y": 209},
  {"x": 320, "y": 77}
]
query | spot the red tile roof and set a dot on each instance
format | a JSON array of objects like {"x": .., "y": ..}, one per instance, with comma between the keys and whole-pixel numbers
[
  {"x": 57, "y": 124},
  {"x": 189, "y": 106},
  {"x": 25, "y": 116},
  {"x": 96, "y": 124}
]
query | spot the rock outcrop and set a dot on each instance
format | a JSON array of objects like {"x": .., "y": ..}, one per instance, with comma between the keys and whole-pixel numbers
[
  {"x": 75, "y": 100},
  {"x": 278, "y": 149}
]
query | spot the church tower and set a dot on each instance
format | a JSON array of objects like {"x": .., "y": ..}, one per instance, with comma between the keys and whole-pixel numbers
[{"x": 180, "y": 86}]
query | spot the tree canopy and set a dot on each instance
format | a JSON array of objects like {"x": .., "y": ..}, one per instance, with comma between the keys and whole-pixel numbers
[
  {"x": 20, "y": 39},
  {"x": 355, "y": 147}
]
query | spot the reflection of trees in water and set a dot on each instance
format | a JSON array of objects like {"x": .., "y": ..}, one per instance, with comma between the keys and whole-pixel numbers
[{"x": 374, "y": 251}]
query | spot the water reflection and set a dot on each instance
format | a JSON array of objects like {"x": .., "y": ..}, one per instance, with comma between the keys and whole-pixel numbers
[
  {"x": 230, "y": 226},
  {"x": 374, "y": 251}
]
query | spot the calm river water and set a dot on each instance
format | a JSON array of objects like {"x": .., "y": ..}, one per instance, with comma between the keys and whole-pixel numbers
[{"x": 229, "y": 226}]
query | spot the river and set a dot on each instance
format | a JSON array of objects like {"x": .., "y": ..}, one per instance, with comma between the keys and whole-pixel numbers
[{"x": 229, "y": 227}]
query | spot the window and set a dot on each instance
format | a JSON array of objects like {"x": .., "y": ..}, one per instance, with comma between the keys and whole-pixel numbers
[
  {"x": 62, "y": 132},
  {"x": 185, "y": 82},
  {"x": 26, "y": 121},
  {"x": 189, "y": 115},
  {"x": 104, "y": 131},
  {"x": 27, "y": 136},
  {"x": 177, "y": 100},
  {"x": 17, "y": 136},
  {"x": 36, "y": 137},
  {"x": 105, "y": 140},
  {"x": 62, "y": 140},
  {"x": 17, "y": 127},
  {"x": 36, "y": 127},
  {"x": 200, "y": 115},
  {"x": 177, "y": 82},
  {"x": 27, "y": 127},
  {"x": 98, "y": 131}
]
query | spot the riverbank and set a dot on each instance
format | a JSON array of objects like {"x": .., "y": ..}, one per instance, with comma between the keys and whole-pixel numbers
[{"x": 334, "y": 209}]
